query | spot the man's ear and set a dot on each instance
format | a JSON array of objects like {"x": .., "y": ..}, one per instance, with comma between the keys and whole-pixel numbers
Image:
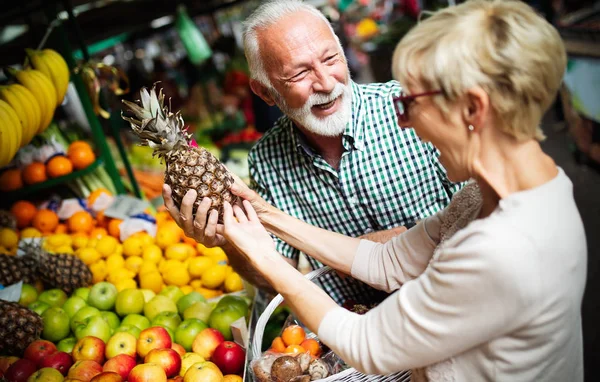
[
  {"x": 262, "y": 91},
  {"x": 477, "y": 107}
]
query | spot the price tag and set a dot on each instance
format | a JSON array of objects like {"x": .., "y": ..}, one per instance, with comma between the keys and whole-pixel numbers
[
  {"x": 125, "y": 206},
  {"x": 12, "y": 293}
]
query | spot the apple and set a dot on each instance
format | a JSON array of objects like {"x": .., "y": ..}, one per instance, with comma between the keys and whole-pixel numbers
[
  {"x": 46, "y": 374},
  {"x": 84, "y": 370},
  {"x": 20, "y": 370},
  {"x": 221, "y": 319},
  {"x": 5, "y": 362},
  {"x": 103, "y": 296},
  {"x": 82, "y": 314},
  {"x": 188, "y": 360},
  {"x": 56, "y": 324},
  {"x": 38, "y": 306},
  {"x": 168, "y": 359},
  {"x": 89, "y": 348},
  {"x": 235, "y": 301},
  {"x": 28, "y": 294},
  {"x": 84, "y": 293},
  {"x": 147, "y": 372},
  {"x": 188, "y": 300},
  {"x": 155, "y": 337},
  {"x": 121, "y": 364},
  {"x": 203, "y": 371},
  {"x": 168, "y": 320},
  {"x": 133, "y": 330},
  {"x": 107, "y": 376},
  {"x": 136, "y": 320},
  {"x": 200, "y": 310},
  {"x": 187, "y": 331},
  {"x": 148, "y": 294},
  {"x": 66, "y": 344},
  {"x": 121, "y": 343},
  {"x": 53, "y": 297},
  {"x": 229, "y": 357},
  {"x": 59, "y": 360},
  {"x": 178, "y": 348},
  {"x": 206, "y": 342},
  {"x": 158, "y": 304},
  {"x": 129, "y": 301},
  {"x": 38, "y": 350},
  {"x": 177, "y": 378},
  {"x": 73, "y": 304},
  {"x": 93, "y": 326},
  {"x": 111, "y": 319},
  {"x": 173, "y": 292}
]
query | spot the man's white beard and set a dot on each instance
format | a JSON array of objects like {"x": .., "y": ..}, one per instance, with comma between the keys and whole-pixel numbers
[{"x": 332, "y": 125}]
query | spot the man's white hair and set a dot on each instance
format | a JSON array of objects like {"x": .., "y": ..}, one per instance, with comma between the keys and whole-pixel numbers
[{"x": 264, "y": 16}]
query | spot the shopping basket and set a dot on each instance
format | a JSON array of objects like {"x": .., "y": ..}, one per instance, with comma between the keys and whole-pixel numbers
[{"x": 348, "y": 375}]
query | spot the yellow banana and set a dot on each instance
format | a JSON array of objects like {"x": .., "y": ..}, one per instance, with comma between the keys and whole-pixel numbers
[
  {"x": 14, "y": 118},
  {"x": 31, "y": 105},
  {"x": 24, "y": 77},
  {"x": 60, "y": 71},
  {"x": 25, "y": 115},
  {"x": 9, "y": 143},
  {"x": 50, "y": 91}
]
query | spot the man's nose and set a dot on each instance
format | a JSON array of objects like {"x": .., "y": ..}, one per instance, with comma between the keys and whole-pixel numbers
[{"x": 324, "y": 81}]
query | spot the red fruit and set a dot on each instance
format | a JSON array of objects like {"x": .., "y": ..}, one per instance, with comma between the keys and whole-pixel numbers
[
  {"x": 229, "y": 357},
  {"x": 38, "y": 350},
  {"x": 5, "y": 363},
  {"x": 107, "y": 376},
  {"x": 120, "y": 364},
  {"x": 59, "y": 360},
  {"x": 20, "y": 370},
  {"x": 168, "y": 359}
]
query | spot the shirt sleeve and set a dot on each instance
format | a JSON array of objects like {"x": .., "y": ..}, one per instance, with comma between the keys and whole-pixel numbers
[{"x": 475, "y": 291}]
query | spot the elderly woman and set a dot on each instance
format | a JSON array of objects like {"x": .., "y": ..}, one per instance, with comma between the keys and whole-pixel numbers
[{"x": 489, "y": 290}]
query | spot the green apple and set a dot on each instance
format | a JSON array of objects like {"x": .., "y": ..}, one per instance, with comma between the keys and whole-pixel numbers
[
  {"x": 129, "y": 301},
  {"x": 84, "y": 293},
  {"x": 187, "y": 331},
  {"x": 235, "y": 301},
  {"x": 56, "y": 324},
  {"x": 159, "y": 303},
  {"x": 103, "y": 296},
  {"x": 171, "y": 334},
  {"x": 46, "y": 374},
  {"x": 73, "y": 304},
  {"x": 53, "y": 297},
  {"x": 66, "y": 344},
  {"x": 148, "y": 294},
  {"x": 137, "y": 320},
  {"x": 111, "y": 319},
  {"x": 221, "y": 319},
  {"x": 82, "y": 314},
  {"x": 39, "y": 307},
  {"x": 188, "y": 300},
  {"x": 173, "y": 292},
  {"x": 200, "y": 310},
  {"x": 170, "y": 320},
  {"x": 93, "y": 326},
  {"x": 131, "y": 329},
  {"x": 28, "y": 294}
]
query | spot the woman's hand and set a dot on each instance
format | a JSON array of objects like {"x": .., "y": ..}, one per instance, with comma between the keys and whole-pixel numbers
[{"x": 243, "y": 192}]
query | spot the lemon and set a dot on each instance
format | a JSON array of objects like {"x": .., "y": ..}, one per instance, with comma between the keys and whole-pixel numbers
[
  {"x": 92, "y": 242},
  {"x": 119, "y": 274},
  {"x": 200, "y": 248},
  {"x": 217, "y": 254},
  {"x": 30, "y": 232},
  {"x": 99, "y": 271},
  {"x": 133, "y": 263},
  {"x": 199, "y": 264},
  {"x": 152, "y": 253},
  {"x": 233, "y": 283},
  {"x": 152, "y": 281},
  {"x": 167, "y": 265},
  {"x": 58, "y": 240},
  {"x": 126, "y": 284},
  {"x": 4, "y": 251},
  {"x": 179, "y": 251},
  {"x": 64, "y": 249},
  {"x": 176, "y": 276},
  {"x": 133, "y": 246},
  {"x": 8, "y": 238},
  {"x": 80, "y": 240},
  {"x": 115, "y": 261},
  {"x": 166, "y": 237},
  {"x": 196, "y": 284},
  {"x": 119, "y": 250},
  {"x": 88, "y": 255},
  {"x": 214, "y": 276},
  {"x": 209, "y": 293},
  {"x": 107, "y": 245},
  {"x": 187, "y": 289},
  {"x": 147, "y": 267}
]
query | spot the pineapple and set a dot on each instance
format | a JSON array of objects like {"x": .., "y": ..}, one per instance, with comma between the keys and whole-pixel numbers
[
  {"x": 7, "y": 220},
  {"x": 187, "y": 167},
  {"x": 19, "y": 327},
  {"x": 16, "y": 268}
]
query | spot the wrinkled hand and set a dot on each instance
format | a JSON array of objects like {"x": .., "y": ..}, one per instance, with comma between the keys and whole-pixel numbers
[
  {"x": 243, "y": 192},
  {"x": 203, "y": 228}
]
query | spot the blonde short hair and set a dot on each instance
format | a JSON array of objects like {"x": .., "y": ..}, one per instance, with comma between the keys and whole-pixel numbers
[{"x": 502, "y": 46}]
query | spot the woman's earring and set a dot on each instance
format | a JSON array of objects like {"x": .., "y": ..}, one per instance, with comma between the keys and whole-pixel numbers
[{"x": 471, "y": 128}]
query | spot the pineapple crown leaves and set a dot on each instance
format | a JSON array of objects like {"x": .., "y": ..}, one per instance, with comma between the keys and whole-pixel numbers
[{"x": 156, "y": 125}]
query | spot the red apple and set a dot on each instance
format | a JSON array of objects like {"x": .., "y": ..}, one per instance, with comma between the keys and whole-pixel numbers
[
  {"x": 60, "y": 361},
  {"x": 107, "y": 376},
  {"x": 168, "y": 359},
  {"x": 84, "y": 370},
  {"x": 121, "y": 364},
  {"x": 179, "y": 378},
  {"x": 20, "y": 370},
  {"x": 206, "y": 342},
  {"x": 89, "y": 348},
  {"x": 38, "y": 349},
  {"x": 147, "y": 372},
  {"x": 155, "y": 337},
  {"x": 178, "y": 348},
  {"x": 5, "y": 363},
  {"x": 229, "y": 357}
]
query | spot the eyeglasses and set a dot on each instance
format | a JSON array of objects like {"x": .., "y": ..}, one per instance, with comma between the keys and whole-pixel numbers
[{"x": 403, "y": 101}]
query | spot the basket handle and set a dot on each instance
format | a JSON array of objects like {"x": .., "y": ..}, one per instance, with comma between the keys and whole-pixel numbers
[{"x": 264, "y": 317}]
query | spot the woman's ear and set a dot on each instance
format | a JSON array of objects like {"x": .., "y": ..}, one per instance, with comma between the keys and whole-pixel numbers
[
  {"x": 262, "y": 91},
  {"x": 477, "y": 108}
]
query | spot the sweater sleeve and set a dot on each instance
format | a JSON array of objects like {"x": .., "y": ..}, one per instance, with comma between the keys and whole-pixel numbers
[{"x": 476, "y": 290}]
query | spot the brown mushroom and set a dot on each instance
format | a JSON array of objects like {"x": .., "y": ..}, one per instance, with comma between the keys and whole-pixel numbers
[
  {"x": 284, "y": 369},
  {"x": 301, "y": 378},
  {"x": 304, "y": 360},
  {"x": 318, "y": 370}
]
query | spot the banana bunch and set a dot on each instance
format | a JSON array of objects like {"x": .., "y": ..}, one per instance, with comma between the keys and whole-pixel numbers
[
  {"x": 54, "y": 67},
  {"x": 26, "y": 107},
  {"x": 11, "y": 133}
]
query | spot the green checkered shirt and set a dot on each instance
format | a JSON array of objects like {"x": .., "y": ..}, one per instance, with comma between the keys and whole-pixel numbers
[{"x": 387, "y": 178}]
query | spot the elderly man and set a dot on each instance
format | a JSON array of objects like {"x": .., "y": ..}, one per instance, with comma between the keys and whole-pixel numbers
[{"x": 337, "y": 159}]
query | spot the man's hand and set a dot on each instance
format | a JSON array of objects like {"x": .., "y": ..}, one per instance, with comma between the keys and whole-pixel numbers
[
  {"x": 243, "y": 192},
  {"x": 203, "y": 228}
]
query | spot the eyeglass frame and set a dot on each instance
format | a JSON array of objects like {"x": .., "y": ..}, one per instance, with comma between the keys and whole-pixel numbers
[{"x": 402, "y": 103}]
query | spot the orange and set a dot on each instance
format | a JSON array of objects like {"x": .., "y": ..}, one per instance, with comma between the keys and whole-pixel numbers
[
  {"x": 98, "y": 233},
  {"x": 34, "y": 173},
  {"x": 277, "y": 345},
  {"x": 232, "y": 378},
  {"x": 59, "y": 166},
  {"x": 293, "y": 335},
  {"x": 114, "y": 229},
  {"x": 101, "y": 220},
  {"x": 94, "y": 195},
  {"x": 79, "y": 144},
  {"x": 81, "y": 157},
  {"x": 24, "y": 212},
  {"x": 61, "y": 228},
  {"x": 294, "y": 349},
  {"x": 80, "y": 221},
  {"x": 11, "y": 180},
  {"x": 45, "y": 221},
  {"x": 312, "y": 346}
]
